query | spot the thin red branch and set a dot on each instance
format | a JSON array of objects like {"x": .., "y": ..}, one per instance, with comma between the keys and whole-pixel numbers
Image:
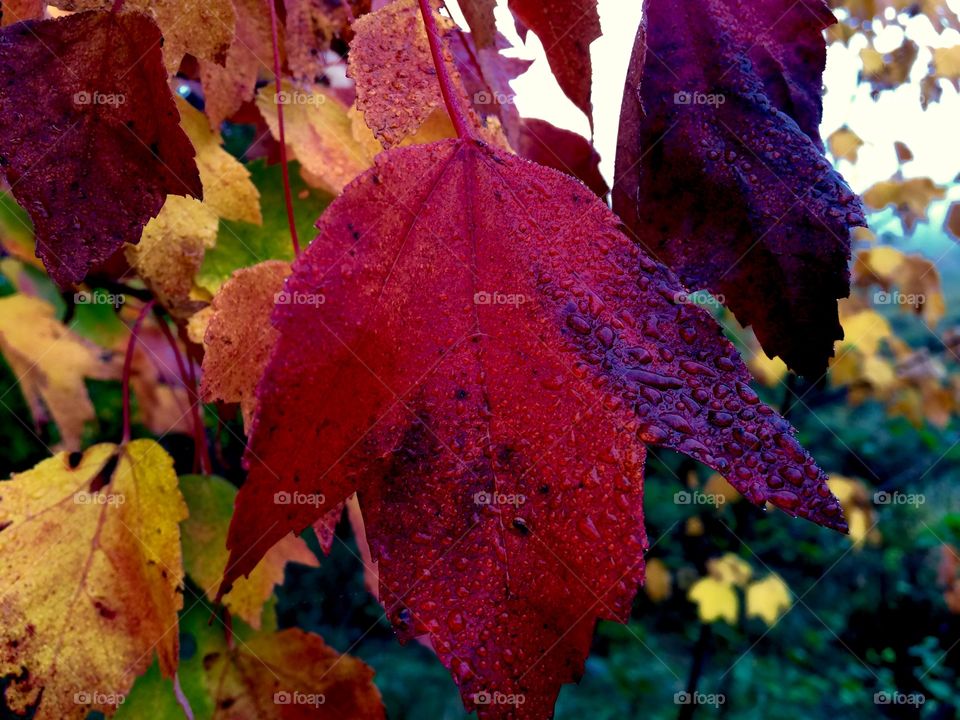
[
  {"x": 451, "y": 95},
  {"x": 188, "y": 379},
  {"x": 287, "y": 195},
  {"x": 128, "y": 365}
]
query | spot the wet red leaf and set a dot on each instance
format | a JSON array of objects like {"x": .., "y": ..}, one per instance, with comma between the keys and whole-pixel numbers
[
  {"x": 489, "y": 359},
  {"x": 720, "y": 168},
  {"x": 90, "y": 140},
  {"x": 565, "y": 28}
]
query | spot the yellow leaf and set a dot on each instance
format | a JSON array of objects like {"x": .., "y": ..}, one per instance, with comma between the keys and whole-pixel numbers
[
  {"x": 716, "y": 600},
  {"x": 911, "y": 198},
  {"x": 273, "y": 676},
  {"x": 857, "y": 506},
  {"x": 227, "y": 187},
  {"x": 50, "y": 363},
  {"x": 90, "y": 565},
  {"x": 319, "y": 131},
  {"x": 731, "y": 569},
  {"x": 768, "y": 371},
  {"x": 844, "y": 144},
  {"x": 768, "y": 599},
  {"x": 888, "y": 70},
  {"x": 659, "y": 583},
  {"x": 171, "y": 249},
  {"x": 210, "y": 500},
  {"x": 865, "y": 331},
  {"x": 717, "y": 486},
  {"x": 946, "y": 62},
  {"x": 197, "y": 325},
  {"x": 916, "y": 279}
]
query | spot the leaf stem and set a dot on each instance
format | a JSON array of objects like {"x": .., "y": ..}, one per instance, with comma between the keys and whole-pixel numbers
[
  {"x": 287, "y": 195},
  {"x": 128, "y": 365},
  {"x": 186, "y": 377},
  {"x": 451, "y": 96}
]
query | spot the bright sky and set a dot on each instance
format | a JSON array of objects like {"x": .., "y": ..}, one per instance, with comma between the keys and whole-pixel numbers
[{"x": 932, "y": 135}]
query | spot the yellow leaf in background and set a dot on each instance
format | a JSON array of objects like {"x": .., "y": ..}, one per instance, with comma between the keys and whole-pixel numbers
[
  {"x": 285, "y": 675},
  {"x": 845, "y": 143},
  {"x": 911, "y": 198},
  {"x": 694, "y": 526},
  {"x": 228, "y": 189},
  {"x": 878, "y": 372},
  {"x": 768, "y": 371},
  {"x": 171, "y": 249},
  {"x": 659, "y": 583},
  {"x": 90, "y": 565},
  {"x": 718, "y": 486},
  {"x": 197, "y": 325},
  {"x": 210, "y": 500},
  {"x": 731, "y": 569},
  {"x": 908, "y": 281},
  {"x": 888, "y": 70},
  {"x": 768, "y": 599},
  {"x": 946, "y": 62},
  {"x": 856, "y": 500},
  {"x": 865, "y": 331},
  {"x": 716, "y": 600},
  {"x": 318, "y": 130},
  {"x": 879, "y": 263},
  {"x": 51, "y": 363}
]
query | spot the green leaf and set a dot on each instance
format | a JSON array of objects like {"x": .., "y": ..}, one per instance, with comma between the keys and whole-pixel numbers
[{"x": 241, "y": 244}]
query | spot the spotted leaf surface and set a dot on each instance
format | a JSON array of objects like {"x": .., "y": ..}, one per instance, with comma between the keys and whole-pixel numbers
[
  {"x": 90, "y": 141},
  {"x": 720, "y": 166},
  {"x": 491, "y": 359}
]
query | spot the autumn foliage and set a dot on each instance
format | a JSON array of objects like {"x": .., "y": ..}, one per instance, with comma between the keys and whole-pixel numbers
[{"x": 425, "y": 312}]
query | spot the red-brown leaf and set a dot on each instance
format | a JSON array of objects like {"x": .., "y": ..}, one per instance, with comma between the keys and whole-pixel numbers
[
  {"x": 90, "y": 140},
  {"x": 488, "y": 333},
  {"x": 566, "y": 28},
  {"x": 736, "y": 196}
]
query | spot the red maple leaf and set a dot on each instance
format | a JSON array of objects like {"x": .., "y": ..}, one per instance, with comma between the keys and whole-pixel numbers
[
  {"x": 489, "y": 357},
  {"x": 90, "y": 139},
  {"x": 720, "y": 167}
]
